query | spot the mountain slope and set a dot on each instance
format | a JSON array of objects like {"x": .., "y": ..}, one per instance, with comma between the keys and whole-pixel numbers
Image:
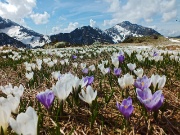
[
  {"x": 85, "y": 35},
  {"x": 20, "y": 33},
  {"x": 6, "y": 40},
  {"x": 121, "y": 31}
]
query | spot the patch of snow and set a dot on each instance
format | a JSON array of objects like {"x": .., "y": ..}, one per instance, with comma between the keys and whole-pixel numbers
[
  {"x": 15, "y": 32},
  {"x": 175, "y": 40}
]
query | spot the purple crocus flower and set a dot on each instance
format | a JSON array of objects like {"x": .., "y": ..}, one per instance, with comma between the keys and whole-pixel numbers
[
  {"x": 117, "y": 71},
  {"x": 142, "y": 82},
  {"x": 121, "y": 57},
  {"x": 85, "y": 70},
  {"x": 108, "y": 70},
  {"x": 74, "y": 57},
  {"x": 46, "y": 98},
  {"x": 155, "y": 54},
  {"x": 89, "y": 80},
  {"x": 152, "y": 102},
  {"x": 126, "y": 107}
]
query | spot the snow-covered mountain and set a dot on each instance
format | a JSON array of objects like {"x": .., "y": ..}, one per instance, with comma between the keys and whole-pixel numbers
[
  {"x": 6, "y": 40},
  {"x": 85, "y": 35},
  {"x": 121, "y": 31},
  {"x": 22, "y": 34}
]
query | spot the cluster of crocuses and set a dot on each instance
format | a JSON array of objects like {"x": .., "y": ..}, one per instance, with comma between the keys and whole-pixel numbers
[
  {"x": 152, "y": 102},
  {"x": 66, "y": 84},
  {"x": 151, "y": 99},
  {"x": 25, "y": 123}
]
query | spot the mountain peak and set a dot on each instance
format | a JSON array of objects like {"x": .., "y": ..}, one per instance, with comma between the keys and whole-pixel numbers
[
  {"x": 85, "y": 35},
  {"x": 126, "y": 23},
  {"x": 125, "y": 29}
]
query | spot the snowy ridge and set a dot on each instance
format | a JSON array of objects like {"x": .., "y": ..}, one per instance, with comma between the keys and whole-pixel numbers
[
  {"x": 17, "y": 33},
  {"x": 121, "y": 31},
  {"x": 22, "y": 34},
  {"x": 119, "y": 34}
]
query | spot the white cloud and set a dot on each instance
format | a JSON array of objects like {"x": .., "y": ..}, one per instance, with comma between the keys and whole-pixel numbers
[
  {"x": 135, "y": 10},
  {"x": 16, "y": 10},
  {"x": 92, "y": 23},
  {"x": 56, "y": 30},
  {"x": 153, "y": 27},
  {"x": 62, "y": 18},
  {"x": 169, "y": 15},
  {"x": 40, "y": 18},
  {"x": 149, "y": 20},
  {"x": 71, "y": 27},
  {"x": 114, "y": 6}
]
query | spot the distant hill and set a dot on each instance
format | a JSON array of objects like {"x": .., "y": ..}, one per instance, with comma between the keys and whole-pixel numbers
[{"x": 154, "y": 39}]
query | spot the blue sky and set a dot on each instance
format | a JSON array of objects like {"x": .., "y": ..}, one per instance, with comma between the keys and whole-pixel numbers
[{"x": 55, "y": 16}]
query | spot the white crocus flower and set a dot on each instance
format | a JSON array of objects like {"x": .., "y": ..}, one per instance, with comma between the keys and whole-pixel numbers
[
  {"x": 62, "y": 62},
  {"x": 66, "y": 61},
  {"x": 75, "y": 82},
  {"x": 18, "y": 91},
  {"x": 39, "y": 67},
  {"x": 121, "y": 82},
  {"x": 89, "y": 95},
  {"x": 176, "y": 58},
  {"x": 105, "y": 70},
  {"x": 104, "y": 62},
  {"x": 92, "y": 68},
  {"x": 64, "y": 86},
  {"x": 131, "y": 66},
  {"x": 5, "y": 113},
  {"x": 115, "y": 61},
  {"x": 75, "y": 64},
  {"x": 62, "y": 91},
  {"x": 128, "y": 52},
  {"x": 156, "y": 79},
  {"x": 46, "y": 60},
  {"x": 83, "y": 65},
  {"x": 139, "y": 57},
  {"x": 56, "y": 75},
  {"x": 7, "y": 89},
  {"x": 27, "y": 66},
  {"x": 126, "y": 80},
  {"x": 162, "y": 81},
  {"x": 13, "y": 103},
  {"x": 50, "y": 64},
  {"x": 33, "y": 66},
  {"x": 25, "y": 123},
  {"x": 139, "y": 72},
  {"x": 30, "y": 75},
  {"x": 55, "y": 61},
  {"x": 172, "y": 57},
  {"x": 38, "y": 61},
  {"x": 101, "y": 66},
  {"x": 81, "y": 56}
]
